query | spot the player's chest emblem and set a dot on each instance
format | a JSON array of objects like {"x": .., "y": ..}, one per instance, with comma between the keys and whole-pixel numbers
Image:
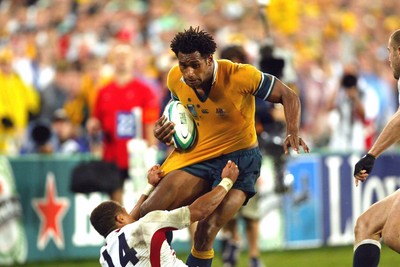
[
  {"x": 220, "y": 112},
  {"x": 197, "y": 111}
]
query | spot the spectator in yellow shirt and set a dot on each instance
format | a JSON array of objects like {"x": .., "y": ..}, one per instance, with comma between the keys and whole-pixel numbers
[{"x": 19, "y": 103}]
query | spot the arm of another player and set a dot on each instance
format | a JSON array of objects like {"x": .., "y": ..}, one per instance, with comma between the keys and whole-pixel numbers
[
  {"x": 389, "y": 135},
  {"x": 206, "y": 204},
  {"x": 154, "y": 176},
  {"x": 291, "y": 104}
]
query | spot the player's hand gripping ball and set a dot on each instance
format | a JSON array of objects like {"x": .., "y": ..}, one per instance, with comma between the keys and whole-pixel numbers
[{"x": 185, "y": 128}]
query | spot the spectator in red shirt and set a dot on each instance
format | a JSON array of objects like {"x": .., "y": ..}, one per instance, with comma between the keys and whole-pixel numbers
[{"x": 113, "y": 117}]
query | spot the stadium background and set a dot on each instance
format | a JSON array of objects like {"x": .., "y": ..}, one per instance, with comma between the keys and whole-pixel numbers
[{"x": 322, "y": 204}]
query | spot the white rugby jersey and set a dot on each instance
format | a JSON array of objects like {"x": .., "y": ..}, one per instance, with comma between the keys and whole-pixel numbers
[{"x": 143, "y": 243}]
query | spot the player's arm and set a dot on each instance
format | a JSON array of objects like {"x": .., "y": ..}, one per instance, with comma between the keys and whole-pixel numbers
[
  {"x": 389, "y": 135},
  {"x": 154, "y": 176},
  {"x": 281, "y": 93},
  {"x": 207, "y": 203}
]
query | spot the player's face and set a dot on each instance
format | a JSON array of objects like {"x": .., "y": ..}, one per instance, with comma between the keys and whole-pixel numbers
[
  {"x": 196, "y": 70},
  {"x": 123, "y": 59},
  {"x": 126, "y": 218},
  {"x": 394, "y": 59}
]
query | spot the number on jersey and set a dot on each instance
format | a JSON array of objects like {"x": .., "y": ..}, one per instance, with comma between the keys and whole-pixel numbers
[{"x": 126, "y": 254}]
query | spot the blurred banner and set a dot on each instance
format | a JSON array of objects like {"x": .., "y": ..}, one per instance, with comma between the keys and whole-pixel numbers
[
  {"x": 319, "y": 208},
  {"x": 13, "y": 243},
  {"x": 324, "y": 203},
  {"x": 302, "y": 204},
  {"x": 56, "y": 221}
]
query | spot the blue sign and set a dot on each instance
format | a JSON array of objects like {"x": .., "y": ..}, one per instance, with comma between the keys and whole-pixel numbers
[{"x": 302, "y": 205}]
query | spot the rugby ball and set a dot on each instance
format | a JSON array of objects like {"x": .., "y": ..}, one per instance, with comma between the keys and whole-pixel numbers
[{"x": 185, "y": 127}]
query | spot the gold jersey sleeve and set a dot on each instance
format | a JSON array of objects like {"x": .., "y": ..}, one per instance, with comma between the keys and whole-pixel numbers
[{"x": 225, "y": 119}]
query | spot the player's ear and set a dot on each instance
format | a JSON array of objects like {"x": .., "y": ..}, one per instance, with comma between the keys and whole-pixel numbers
[
  {"x": 210, "y": 59},
  {"x": 119, "y": 218}
]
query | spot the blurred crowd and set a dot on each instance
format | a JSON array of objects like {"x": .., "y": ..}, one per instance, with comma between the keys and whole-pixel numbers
[{"x": 55, "y": 57}]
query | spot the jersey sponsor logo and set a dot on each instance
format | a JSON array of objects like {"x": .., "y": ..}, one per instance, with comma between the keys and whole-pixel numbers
[
  {"x": 51, "y": 210},
  {"x": 205, "y": 111}
]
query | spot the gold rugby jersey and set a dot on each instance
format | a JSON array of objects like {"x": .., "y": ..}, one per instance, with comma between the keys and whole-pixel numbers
[{"x": 225, "y": 118}]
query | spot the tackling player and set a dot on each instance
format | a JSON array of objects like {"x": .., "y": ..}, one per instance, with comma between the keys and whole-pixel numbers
[{"x": 131, "y": 241}]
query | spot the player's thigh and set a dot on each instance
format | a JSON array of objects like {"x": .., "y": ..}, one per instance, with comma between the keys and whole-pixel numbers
[
  {"x": 391, "y": 229},
  {"x": 177, "y": 188},
  {"x": 373, "y": 220}
]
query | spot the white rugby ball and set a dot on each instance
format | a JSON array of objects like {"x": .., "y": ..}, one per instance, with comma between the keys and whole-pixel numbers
[{"x": 185, "y": 127}]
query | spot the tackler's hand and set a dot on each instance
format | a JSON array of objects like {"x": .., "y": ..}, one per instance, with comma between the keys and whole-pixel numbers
[
  {"x": 154, "y": 175},
  {"x": 230, "y": 171}
]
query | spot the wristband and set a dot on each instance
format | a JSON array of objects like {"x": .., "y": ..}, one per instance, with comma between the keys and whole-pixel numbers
[
  {"x": 148, "y": 189},
  {"x": 226, "y": 183}
]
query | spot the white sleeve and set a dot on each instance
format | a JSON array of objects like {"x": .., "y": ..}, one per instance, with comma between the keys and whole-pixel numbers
[{"x": 178, "y": 218}]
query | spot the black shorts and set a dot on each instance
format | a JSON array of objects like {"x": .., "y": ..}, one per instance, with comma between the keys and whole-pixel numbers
[{"x": 248, "y": 161}]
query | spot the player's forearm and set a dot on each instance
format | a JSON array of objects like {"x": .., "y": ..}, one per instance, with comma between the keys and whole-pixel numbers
[
  {"x": 206, "y": 204},
  {"x": 389, "y": 135},
  {"x": 291, "y": 104},
  {"x": 135, "y": 212}
]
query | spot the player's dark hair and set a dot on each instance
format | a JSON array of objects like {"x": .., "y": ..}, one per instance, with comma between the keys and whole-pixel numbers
[
  {"x": 396, "y": 38},
  {"x": 103, "y": 216},
  {"x": 235, "y": 53},
  {"x": 192, "y": 40}
]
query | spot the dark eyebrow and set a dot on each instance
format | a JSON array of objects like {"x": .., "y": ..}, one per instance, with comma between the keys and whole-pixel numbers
[{"x": 191, "y": 62}]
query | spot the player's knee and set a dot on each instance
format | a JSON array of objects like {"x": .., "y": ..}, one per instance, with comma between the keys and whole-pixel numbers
[
  {"x": 362, "y": 226},
  {"x": 205, "y": 234}
]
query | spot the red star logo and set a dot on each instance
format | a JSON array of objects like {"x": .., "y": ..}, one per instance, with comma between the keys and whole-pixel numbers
[{"x": 50, "y": 210}]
